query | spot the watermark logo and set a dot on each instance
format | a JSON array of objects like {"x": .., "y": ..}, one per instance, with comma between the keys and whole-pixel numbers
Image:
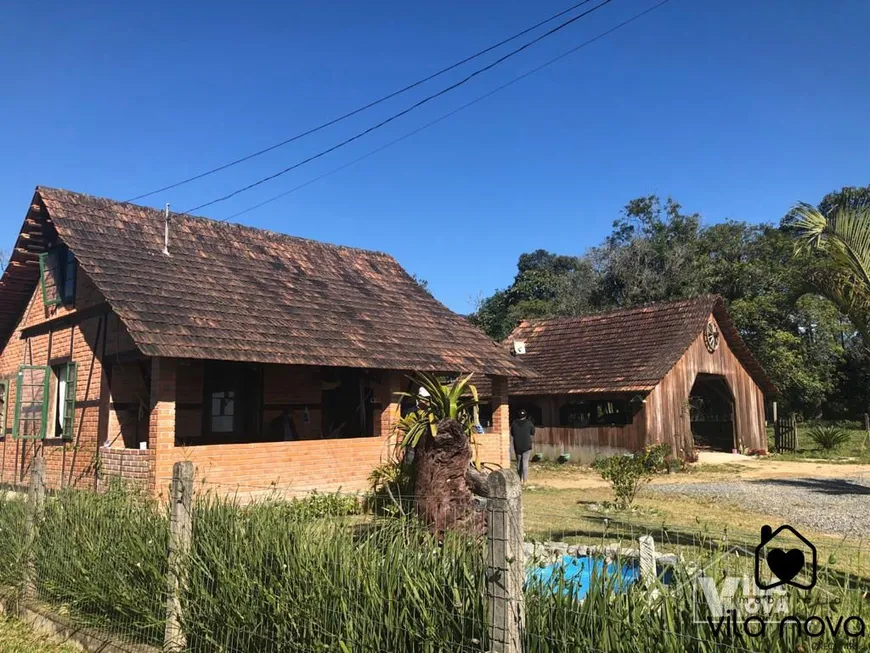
[
  {"x": 735, "y": 602},
  {"x": 788, "y": 567}
]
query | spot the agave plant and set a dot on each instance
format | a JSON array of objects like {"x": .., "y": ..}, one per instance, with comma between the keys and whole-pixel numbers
[
  {"x": 457, "y": 400},
  {"x": 843, "y": 235},
  {"x": 829, "y": 438}
]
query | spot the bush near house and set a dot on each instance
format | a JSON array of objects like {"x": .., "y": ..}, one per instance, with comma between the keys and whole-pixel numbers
[{"x": 628, "y": 473}]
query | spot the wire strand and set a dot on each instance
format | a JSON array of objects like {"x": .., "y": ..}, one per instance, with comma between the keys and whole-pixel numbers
[
  {"x": 405, "y": 111},
  {"x": 449, "y": 114},
  {"x": 365, "y": 107}
]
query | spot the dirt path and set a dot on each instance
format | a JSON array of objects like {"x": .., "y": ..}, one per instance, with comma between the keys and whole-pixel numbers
[{"x": 710, "y": 467}]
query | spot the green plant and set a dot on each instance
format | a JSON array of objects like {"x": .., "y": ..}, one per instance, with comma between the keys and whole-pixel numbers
[
  {"x": 391, "y": 488},
  {"x": 457, "y": 400},
  {"x": 828, "y": 438},
  {"x": 628, "y": 473},
  {"x": 842, "y": 237},
  {"x": 103, "y": 557},
  {"x": 318, "y": 505}
]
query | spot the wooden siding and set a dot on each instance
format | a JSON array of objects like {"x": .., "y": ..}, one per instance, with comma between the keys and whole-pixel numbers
[
  {"x": 628, "y": 437},
  {"x": 666, "y": 408}
]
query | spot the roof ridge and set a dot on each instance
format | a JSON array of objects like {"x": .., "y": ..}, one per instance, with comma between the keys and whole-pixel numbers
[
  {"x": 712, "y": 298},
  {"x": 222, "y": 224}
]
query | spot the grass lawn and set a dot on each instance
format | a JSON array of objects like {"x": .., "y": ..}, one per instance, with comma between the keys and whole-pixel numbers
[
  {"x": 16, "y": 637},
  {"x": 857, "y": 449},
  {"x": 686, "y": 525}
]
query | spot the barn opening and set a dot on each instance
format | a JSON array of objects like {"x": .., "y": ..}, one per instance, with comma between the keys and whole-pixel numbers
[{"x": 711, "y": 409}]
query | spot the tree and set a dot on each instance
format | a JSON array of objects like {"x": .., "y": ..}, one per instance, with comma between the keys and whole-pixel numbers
[
  {"x": 545, "y": 285},
  {"x": 840, "y": 240},
  {"x": 651, "y": 255},
  {"x": 658, "y": 252}
]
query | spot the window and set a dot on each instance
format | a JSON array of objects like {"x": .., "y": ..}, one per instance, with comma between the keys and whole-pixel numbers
[
  {"x": 63, "y": 380},
  {"x": 233, "y": 399},
  {"x": 38, "y": 389},
  {"x": 57, "y": 269},
  {"x": 4, "y": 401},
  {"x": 594, "y": 413},
  {"x": 31, "y": 391}
]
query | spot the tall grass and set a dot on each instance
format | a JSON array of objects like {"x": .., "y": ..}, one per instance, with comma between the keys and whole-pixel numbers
[
  {"x": 102, "y": 557},
  {"x": 277, "y": 576},
  {"x": 262, "y": 579}
]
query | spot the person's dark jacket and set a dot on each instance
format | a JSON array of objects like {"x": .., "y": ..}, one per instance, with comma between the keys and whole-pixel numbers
[{"x": 522, "y": 431}]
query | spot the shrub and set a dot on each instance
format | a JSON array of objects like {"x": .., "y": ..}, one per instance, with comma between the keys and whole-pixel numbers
[
  {"x": 391, "y": 488},
  {"x": 828, "y": 438},
  {"x": 627, "y": 474},
  {"x": 318, "y": 505}
]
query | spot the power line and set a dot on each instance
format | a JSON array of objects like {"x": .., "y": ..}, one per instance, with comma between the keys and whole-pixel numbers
[
  {"x": 374, "y": 103},
  {"x": 414, "y": 106},
  {"x": 449, "y": 114}
]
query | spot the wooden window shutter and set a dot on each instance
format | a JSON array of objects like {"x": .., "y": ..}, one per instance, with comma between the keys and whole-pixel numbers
[
  {"x": 49, "y": 273},
  {"x": 31, "y": 402}
]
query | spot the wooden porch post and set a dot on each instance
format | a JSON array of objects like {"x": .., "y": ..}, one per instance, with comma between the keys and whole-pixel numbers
[{"x": 161, "y": 423}]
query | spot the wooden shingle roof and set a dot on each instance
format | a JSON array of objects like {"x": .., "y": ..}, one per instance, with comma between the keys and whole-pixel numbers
[
  {"x": 621, "y": 351},
  {"x": 231, "y": 292}
]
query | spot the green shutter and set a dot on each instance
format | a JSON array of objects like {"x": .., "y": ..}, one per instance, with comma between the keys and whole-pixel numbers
[
  {"x": 4, "y": 393},
  {"x": 31, "y": 402},
  {"x": 48, "y": 275},
  {"x": 69, "y": 408}
]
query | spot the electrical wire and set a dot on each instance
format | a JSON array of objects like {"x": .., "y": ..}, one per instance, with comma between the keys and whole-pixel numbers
[
  {"x": 405, "y": 111},
  {"x": 432, "y": 123},
  {"x": 365, "y": 107}
]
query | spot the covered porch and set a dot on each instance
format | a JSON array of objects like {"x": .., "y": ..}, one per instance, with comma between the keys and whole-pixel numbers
[{"x": 250, "y": 427}]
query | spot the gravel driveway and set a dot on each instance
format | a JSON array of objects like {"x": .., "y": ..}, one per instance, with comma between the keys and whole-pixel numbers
[{"x": 830, "y": 505}]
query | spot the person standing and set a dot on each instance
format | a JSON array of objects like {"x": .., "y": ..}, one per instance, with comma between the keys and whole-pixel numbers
[{"x": 522, "y": 433}]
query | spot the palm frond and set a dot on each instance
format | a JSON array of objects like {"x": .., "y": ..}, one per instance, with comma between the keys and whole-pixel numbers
[{"x": 843, "y": 237}]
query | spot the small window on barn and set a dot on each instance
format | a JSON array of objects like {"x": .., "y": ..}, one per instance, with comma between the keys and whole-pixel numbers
[
  {"x": 579, "y": 414},
  {"x": 233, "y": 399},
  {"x": 57, "y": 269}
]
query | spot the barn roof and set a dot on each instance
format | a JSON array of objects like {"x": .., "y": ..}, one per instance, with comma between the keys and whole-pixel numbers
[
  {"x": 626, "y": 350},
  {"x": 232, "y": 292}
]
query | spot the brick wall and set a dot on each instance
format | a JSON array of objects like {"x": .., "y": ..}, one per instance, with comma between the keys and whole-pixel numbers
[
  {"x": 132, "y": 466},
  {"x": 494, "y": 444},
  {"x": 299, "y": 466},
  {"x": 67, "y": 463}
]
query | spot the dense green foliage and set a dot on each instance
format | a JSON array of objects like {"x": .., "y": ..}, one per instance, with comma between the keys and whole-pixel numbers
[
  {"x": 840, "y": 241},
  {"x": 657, "y": 252},
  {"x": 272, "y": 577},
  {"x": 828, "y": 437},
  {"x": 628, "y": 473}
]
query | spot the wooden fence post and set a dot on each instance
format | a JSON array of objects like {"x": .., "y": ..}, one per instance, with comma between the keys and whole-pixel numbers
[
  {"x": 35, "y": 503},
  {"x": 505, "y": 572},
  {"x": 180, "y": 523}
]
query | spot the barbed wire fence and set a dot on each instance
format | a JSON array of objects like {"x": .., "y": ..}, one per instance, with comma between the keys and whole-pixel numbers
[{"x": 268, "y": 568}]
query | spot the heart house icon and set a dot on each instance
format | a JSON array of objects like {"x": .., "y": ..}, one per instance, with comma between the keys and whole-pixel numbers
[{"x": 785, "y": 564}]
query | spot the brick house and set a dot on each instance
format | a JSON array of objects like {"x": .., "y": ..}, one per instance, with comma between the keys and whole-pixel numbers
[{"x": 130, "y": 342}]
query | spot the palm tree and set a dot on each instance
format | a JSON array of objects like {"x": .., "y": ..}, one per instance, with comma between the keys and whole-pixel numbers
[{"x": 842, "y": 238}]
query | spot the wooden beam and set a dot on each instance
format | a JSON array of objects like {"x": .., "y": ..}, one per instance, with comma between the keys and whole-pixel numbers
[{"x": 67, "y": 319}]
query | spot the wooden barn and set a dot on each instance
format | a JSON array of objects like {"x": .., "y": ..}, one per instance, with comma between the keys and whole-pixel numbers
[{"x": 674, "y": 372}]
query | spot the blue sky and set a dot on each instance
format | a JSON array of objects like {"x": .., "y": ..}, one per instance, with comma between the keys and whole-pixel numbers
[{"x": 735, "y": 108}]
